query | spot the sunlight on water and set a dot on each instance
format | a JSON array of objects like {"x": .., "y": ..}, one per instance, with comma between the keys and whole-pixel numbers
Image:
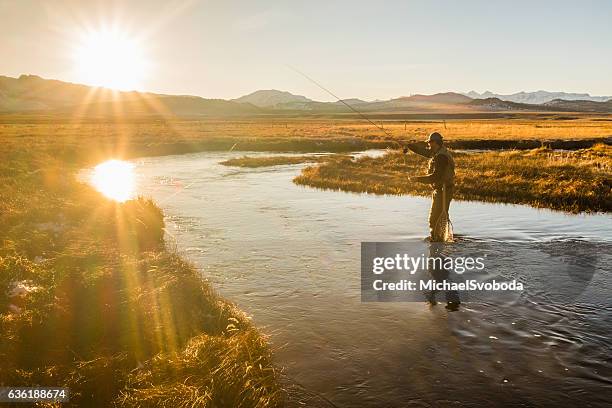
[
  {"x": 114, "y": 179},
  {"x": 290, "y": 256}
]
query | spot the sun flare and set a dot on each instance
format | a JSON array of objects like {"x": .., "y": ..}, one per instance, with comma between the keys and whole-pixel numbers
[
  {"x": 110, "y": 58},
  {"x": 115, "y": 179}
]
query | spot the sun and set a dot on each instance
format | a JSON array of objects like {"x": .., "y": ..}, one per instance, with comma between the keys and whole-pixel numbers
[
  {"x": 115, "y": 179},
  {"x": 110, "y": 58}
]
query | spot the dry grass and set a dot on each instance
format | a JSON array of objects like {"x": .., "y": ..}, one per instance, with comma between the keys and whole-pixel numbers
[
  {"x": 567, "y": 126},
  {"x": 570, "y": 181},
  {"x": 146, "y": 138},
  {"x": 108, "y": 311},
  {"x": 91, "y": 299}
]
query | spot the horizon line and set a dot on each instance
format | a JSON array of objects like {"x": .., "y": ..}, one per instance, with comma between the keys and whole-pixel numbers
[{"x": 296, "y": 94}]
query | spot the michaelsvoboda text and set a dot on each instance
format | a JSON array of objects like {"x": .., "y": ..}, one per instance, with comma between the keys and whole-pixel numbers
[{"x": 445, "y": 285}]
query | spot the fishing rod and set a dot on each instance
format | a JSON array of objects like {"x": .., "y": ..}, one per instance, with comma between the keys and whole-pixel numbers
[
  {"x": 329, "y": 92},
  {"x": 344, "y": 103}
]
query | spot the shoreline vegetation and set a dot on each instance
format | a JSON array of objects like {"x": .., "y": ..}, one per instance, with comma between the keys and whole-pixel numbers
[
  {"x": 576, "y": 181},
  {"x": 92, "y": 298}
]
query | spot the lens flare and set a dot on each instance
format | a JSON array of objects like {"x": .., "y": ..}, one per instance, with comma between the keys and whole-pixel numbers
[
  {"x": 115, "y": 179},
  {"x": 110, "y": 58}
]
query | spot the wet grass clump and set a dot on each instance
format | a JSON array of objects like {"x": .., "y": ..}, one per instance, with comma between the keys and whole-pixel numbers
[{"x": 578, "y": 181}]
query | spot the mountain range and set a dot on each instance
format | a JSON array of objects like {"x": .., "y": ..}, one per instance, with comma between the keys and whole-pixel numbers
[
  {"x": 33, "y": 94},
  {"x": 450, "y": 102},
  {"x": 538, "y": 97}
]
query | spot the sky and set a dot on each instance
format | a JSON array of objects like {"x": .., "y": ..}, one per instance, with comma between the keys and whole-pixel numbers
[{"x": 364, "y": 49}]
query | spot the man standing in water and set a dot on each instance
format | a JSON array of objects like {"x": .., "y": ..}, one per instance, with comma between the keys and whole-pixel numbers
[{"x": 441, "y": 175}]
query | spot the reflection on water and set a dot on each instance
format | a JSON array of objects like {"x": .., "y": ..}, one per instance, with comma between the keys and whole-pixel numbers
[
  {"x": 439, "y": 273},
  {"x": 114, "y": 179},
  {"x": 290, "y": 256}
]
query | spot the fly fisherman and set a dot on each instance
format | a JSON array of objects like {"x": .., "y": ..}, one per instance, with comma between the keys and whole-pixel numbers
[{"x": 441, "y": 175}]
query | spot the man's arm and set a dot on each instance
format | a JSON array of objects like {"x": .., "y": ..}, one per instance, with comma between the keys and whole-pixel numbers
[
  {"x": 437, "y": 177},
  {"x": 419, "y": 148}
]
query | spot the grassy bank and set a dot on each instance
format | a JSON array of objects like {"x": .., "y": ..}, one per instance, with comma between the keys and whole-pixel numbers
[
  {"x": 91, "y": 298},
  {"x": 129, "y": 138},
  {"x": 570, "y": 181}
]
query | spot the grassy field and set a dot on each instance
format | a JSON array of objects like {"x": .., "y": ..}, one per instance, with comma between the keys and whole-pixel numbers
[
  {"x": 549, "y": 126},
  {"x": 91, "y": 298},
  {"x": 574, "y": 181},
  {"x": 126, "y": 138}
]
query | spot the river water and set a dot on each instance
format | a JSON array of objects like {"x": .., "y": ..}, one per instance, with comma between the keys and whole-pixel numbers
[{"x": 290, "y": 257}]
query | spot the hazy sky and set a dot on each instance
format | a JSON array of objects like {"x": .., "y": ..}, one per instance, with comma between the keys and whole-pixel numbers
[{"x": 365, "y": 49}]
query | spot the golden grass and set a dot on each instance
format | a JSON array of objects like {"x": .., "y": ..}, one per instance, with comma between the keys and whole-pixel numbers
[
  {"x": 550, "y": 126},
  {"x": 299, "y": 135},
  {"x": 570, "y": 181},
  {"x": 110, "y": 312},
  {"x": 91, "y": 298}
]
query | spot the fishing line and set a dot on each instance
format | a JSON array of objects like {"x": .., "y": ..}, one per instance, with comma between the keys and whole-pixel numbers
[
  {"x": 326, "y": 90},
  {"x": 344, "y": 103},
  {"x": 444, "y": 218}
]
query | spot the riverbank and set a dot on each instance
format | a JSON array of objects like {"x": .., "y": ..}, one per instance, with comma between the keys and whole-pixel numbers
[
  {"x": 577, "y": 181},
  {"x": 92, "y": 299},
  {"x": 290, "y": 256},
  {"x": 90, "y": 296}
]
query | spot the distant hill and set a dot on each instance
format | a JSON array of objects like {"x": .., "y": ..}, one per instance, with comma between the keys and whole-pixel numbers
[
  {"x": 538, "y": 97},
  {"x": 441, "y": 102},
  {"x": 496, "y": 104},
  {"x": 167, "y": 106},
  {"x": 271, "y": 98},
  {"x": 446, "y": 98},
  {"x": 33, "y": 93},
  {"x": 557, "y": 105},
  {"x": 580, "y": 106},
  {"x": 352, "y": 101},
  {"x": 434, "y": 102}
]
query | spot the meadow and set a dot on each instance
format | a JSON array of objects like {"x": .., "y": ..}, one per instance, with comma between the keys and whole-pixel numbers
[
  {"x": 130, "y": 137},
  {"x": 92, "y": 297},
  {"x": 576, "y": 181}
]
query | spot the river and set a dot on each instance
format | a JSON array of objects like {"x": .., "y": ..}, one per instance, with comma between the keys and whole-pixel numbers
[{"x": 290, "y": 257}]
